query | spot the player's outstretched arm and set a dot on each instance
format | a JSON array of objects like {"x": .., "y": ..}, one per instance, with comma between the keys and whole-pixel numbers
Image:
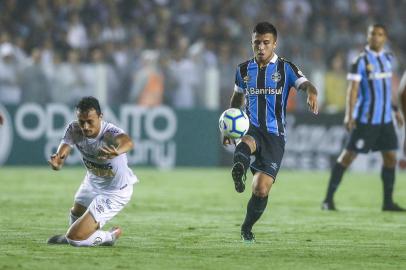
[
  {"x": 352, "y": 93},
  {"x": 311, "y": 91},
  {"x": 122, "y": 144},
  {"x": 58, "y": 159}
]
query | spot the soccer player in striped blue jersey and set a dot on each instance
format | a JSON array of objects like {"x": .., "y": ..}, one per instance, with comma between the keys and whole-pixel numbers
[
  {"x": 264, "y": 82},
  {"x": 368, "y": 116}
]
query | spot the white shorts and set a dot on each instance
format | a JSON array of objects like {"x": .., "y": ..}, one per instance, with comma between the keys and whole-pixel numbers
[{"x": 102, "y": 205}]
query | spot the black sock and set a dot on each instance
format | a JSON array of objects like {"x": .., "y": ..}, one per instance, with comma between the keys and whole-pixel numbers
[
  {"x": 255, "y": 208},
  {"x": 242, "y": 154},
  {"x": 388, "y": 179},
  {"x": 335, "y": 179}
]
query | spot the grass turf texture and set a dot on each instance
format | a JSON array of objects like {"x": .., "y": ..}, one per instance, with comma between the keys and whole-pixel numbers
[{"x": 190, "y": 219}]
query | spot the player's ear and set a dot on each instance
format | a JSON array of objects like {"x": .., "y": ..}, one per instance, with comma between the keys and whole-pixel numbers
[{"x": 101, "y": 116}]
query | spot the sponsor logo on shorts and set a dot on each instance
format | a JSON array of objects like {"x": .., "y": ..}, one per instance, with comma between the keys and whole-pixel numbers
[
  {"x": 360, "y": 144},
  {"x": 108, "y": 203},
  {"x": 100, "y": 208},
  {"x": 274, "y": 165}
]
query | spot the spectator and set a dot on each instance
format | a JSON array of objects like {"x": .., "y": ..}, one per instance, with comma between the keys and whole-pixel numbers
[
  {"x": 34, "y": 83},
  {"x": 10, "y": 91},
  {"x": 148, "y": 83}
]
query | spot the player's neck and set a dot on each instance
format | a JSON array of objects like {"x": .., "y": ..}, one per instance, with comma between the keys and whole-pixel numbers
[
  {"x": 265, "y": 62},
  {"x": 377, "y": 50}
]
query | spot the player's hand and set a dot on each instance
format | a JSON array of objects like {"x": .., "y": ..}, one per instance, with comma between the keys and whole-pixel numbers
[
  {"x": 312, "y": 102},
  {"x": 56, "y": 162},
  {"x": 399, "y": 119},
  {"x": 108, "y": 152},
  {"x": 349, "y": 123},
  {"x": 228, "y": 141}
]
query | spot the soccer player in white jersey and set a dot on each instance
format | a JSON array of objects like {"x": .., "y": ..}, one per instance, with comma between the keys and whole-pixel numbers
[{"x": 108, "y": 184}]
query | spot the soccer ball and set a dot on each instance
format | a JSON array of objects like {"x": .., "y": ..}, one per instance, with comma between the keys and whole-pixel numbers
[{"x": 233, "y": 123}]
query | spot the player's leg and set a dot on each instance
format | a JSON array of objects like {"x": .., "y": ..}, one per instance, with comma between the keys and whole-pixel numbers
[
  {"x": 387, "y": 144},
  {"x": 343, "y": 162},
  {"x": 261, "y": 186},
  {"x": 241, "y": 161},
  {"x": 75, "y": 212},
  {"x": 388, "y": 181},
  {"x": 83, "y": 197},
  {"x": 86, "y": 231}
]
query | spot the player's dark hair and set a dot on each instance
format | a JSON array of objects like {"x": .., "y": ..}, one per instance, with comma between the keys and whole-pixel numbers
[
  {"x": 265, "y": 28},
  {"x": 380, "y": 25},
  {"x": 88, "y": 103}
]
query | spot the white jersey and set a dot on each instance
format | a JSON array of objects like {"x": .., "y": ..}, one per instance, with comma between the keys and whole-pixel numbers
[{"x": 110, "y": 174}]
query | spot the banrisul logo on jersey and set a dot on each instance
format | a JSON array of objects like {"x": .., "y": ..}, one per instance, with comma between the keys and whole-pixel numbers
[
  {"x": 6, "y": 136},
  {"x": 39, "y": 130}
]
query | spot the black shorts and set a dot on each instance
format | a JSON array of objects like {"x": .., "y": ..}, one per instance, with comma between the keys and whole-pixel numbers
[
  {"x": 367, "y": 137},
  {"x": 269, "y": 153}
]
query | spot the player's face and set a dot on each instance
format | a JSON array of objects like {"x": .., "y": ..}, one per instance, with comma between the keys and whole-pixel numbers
[
  {"x": 376, "y": 38},
  {"x": 89, "y": 122},
  {"x": 263, "y": 47}
]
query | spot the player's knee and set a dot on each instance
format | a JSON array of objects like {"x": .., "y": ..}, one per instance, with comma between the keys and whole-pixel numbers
[
  {"x": 346, "y": 158},
  {"x": 389, "y": 161},
  {"x": 261, "y": 192},
  {"x": 77, "y": 211},
  {"x": 250, "y": 142}
]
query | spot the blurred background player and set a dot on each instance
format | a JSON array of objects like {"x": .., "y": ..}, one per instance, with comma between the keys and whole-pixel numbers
[
  {"x": 368, "y": 116},
  {"x": 108, "y": 184},
  {"x": 265, "y": 82},
  {"x": 402, "y": 102},
  {"x": 1, "y": 119}
]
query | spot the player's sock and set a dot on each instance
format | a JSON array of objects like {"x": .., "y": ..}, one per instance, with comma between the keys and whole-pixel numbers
[
  {"x": 72, "y": 218},
  {"x": 98, "y": 238},
  {"x": 255, "y": 208},
  {"x": 388, "y": 179},
  {"x": 335, "y": 179},
  {"x": 242, "y": 154}
]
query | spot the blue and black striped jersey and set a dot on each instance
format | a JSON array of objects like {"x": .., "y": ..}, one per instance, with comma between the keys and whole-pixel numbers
[
  {"x": 266, "y": 91},
  {"x": 374, "y": 72}
]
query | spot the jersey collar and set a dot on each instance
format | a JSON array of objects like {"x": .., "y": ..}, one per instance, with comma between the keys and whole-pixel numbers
[
  {"x": 272, "y": 61},
  {"x": 274, "y": 58},
  {"x": 374, "y": 53}
]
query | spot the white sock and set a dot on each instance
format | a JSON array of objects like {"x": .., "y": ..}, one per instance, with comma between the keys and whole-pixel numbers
[
  {"x": 98, "y": 238},
  {"x": 72, "y": 218}
]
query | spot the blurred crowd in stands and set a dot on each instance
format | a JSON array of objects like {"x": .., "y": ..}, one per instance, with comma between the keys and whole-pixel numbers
[{"x": 181, "y": 53}]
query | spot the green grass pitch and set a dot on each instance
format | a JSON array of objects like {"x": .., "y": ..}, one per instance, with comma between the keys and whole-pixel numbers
[{"x": 190, "y": 218}]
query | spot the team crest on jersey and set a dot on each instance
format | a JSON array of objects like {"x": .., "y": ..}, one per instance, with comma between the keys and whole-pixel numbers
[
  {"x": 370, "y": 67},
  {"x": 246, "y": 79},
  {"x": 276, "y": 77}
]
